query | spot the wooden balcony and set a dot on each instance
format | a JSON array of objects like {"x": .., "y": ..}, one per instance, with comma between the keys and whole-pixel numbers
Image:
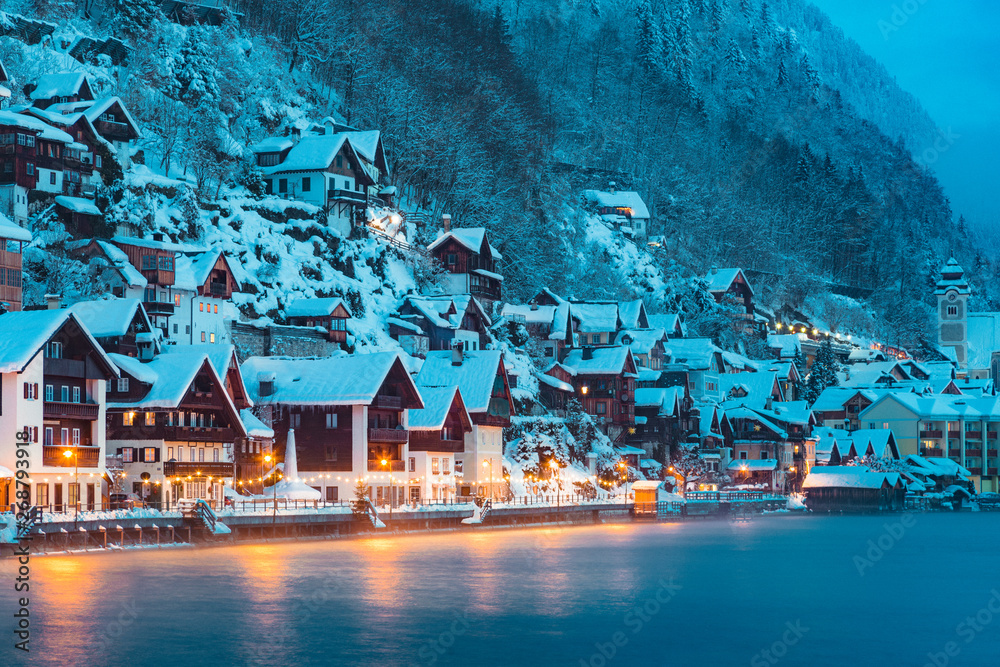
[
  {"x": 198, "y": 434},
  {"x": 375, "y": 465},
  {"x": 991, "y": 471},
  {"x": 954, "y": 453},
  {"x": 73, "y": 368},
  {"x": 347, "y": 196},
  {"x": 85, "y": 457},
  {"x": 954, "y": 435},
  {"x": 388, "y": 435},
  {"x": 219, "y": 289},
  {"x": 387, "y": 402},
  {"x": 974, "y": 435},
  {"x": 113, "y": 130},
  {"x": 198, "y": 468},
  {"x": 200, "y": 398},
  {"x": 973, "y": 451},
  {"x": 158, "y": 308},
  {"x": 61, "y": 410},
  {"x": 931, "y": 434},
  {"x": 992, "y": 435}
]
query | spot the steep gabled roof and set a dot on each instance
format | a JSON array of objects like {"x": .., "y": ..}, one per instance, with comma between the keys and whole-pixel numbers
[
  {"x": 471, "y": 238},
  {"x": 604, "y": 361},
  {"x": 474, "y": 377},
  {"x": 339, "y": 380},
  {"x": 306, "y": 307},
  {"x": 111, "y": 317},
  {"x": 62, "y": 84},
  {"x": 618, "y": 199},
  {"x": 12, "y": 231},
  {"x": 720, "y": 280},
  {"x": 438, "y": 402},
  {"x": 595, "y": 317},
  {"x": 23, "y": 334},
  {"x": 633, "y": 314},
  {"x": 220, "y": 356}
]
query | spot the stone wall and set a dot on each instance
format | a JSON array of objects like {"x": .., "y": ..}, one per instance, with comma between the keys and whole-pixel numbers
[{"x": 279, "y": 341}]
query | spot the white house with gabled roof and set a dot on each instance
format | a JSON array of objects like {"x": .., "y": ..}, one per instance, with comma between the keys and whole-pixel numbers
[
  {"x": 437, "y": 435},
  {"x": 53, "y": 375}
]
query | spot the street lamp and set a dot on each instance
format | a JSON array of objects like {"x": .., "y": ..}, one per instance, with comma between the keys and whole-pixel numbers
[
  {"x": 76, "y": 480},
  {"x": 624, "y": 468},
  {"x": 392, "y": 487},
  {"x": 274, "y": 489},
  {"x": 555, "y": 472},
  {"x": 489, "y": 462}
]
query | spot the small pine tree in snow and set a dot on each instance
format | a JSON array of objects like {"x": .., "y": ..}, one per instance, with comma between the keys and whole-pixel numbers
[
  {"x": 686, "y": 464},
  {"x": 650, "y": 42},
  {"x": 195, "y": 71},
  {"x": 822, "y": 374},
  {"x": 133, "y": 18},
  {"x": 782, "y": 75},
  {"x": 360, "y": 502}
]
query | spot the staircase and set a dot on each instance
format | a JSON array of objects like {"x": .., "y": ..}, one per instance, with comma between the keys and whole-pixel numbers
[
  {"x": 30, "y": 517},
  {"x": 486, "y": 509},
  {"x": 372, "y": 514}
]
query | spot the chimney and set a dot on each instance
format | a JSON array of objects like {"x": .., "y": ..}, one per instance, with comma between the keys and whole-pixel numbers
[
  {"x": 456, "y": 354},
  {"x": 446, "y": 222},
  {"x": 588, "y": 353},
  {"x": 612, "y": 184},
  {"x": 715, "y": 270},
  {"x": 534, "y": 305},
  {"x": 328, "y": 125},
  {"x": 770, "y": 403},
  {"x": 53, "y": 301}
]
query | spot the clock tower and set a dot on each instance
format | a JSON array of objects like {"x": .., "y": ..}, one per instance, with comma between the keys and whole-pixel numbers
[{"x": 952, "y": 294}]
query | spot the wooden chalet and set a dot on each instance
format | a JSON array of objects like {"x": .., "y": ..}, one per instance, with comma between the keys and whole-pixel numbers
[
  {"x": 120, "y": 326},
  {"x": 437, "y": 434},
  {"x": 853, "y": 489},
  {"x": 471, "y": 262},
  {"x": 732, "y": 282},
  {"x": 349, "y": 414},
  {"x": 604, "y": 379},
  {"x": 330, "y": 313},
  {"x": 429, "y": 323},
  {"x": 60, "y": 88},
  {"x": 173, "y": 419}
]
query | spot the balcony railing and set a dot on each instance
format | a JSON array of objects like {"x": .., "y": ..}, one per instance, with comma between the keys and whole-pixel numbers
[
  {"x": 198, "y": 468},
  {"x": 158, "y": 308},
  {"x": 199, "y": 433},
  {"x": 930, "y": 434},
  {"x": 65, "y": 368},
  {"x": 391, "y": 435},
  {"x": 991, "y": 452},
  {"x": 954, "y": 435},
  {"x": 200, "y": 398},
  {"x": 375, "y": 465},
  {"x": 112, "y": 129},
  {"x": 218, "y": 289},
  {"x": 387, "y": 402},
  {"x": 61, "y": 410},
  {"x": 991, "y": 471},
  {"x": 992, "y": 435},
  {"x": 973, "y": 451},
  {"x": 350, "y": 196},
  {"x": 85, "y": 457}
]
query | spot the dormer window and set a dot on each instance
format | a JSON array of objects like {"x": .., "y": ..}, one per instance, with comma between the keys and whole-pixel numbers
[{"x": 266, "y": 387}]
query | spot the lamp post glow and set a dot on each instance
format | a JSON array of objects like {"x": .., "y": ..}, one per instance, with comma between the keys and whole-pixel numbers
[
  {"x": 76, "y": 479},
  {"x": 555, "y": 473},
  {"x": 392, "y": 487},
  {"x": 489, "y": 462},
  {"x": 274, "y": 489},
  {"x": 624, "y": 468}
]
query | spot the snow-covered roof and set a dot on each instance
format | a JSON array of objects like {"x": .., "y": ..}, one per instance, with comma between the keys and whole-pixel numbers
[
  {"x": 365, "y": 142},
  {"x": 12, "y": 231},
  {"x": 78, "y": 205},
  {"x": 788, "y": 345},
  {"x": 437, "y": 404},
  {"x": 752, "y": 415},
  {"x": 603, "y": 361},
  {"x": 62, "y": 84},
  {"x": 696, "y": 353},
  {"x": 619, "y": 199},
  {"x": 338, "y": 380},
  {"x": 720, "y": 280},
  {"x": 848, "y": 477},
  {"x": 554, "y": 382},
  {"x": 666, "y": 400},
  {"x": 313, "y": 153},
  {"x": 833, "y": 399},
  {"x": 595, "y": 317},
  {"x": 219, "y": 355},
  {"x": 306, "y": 307},
  {"x": 469, "y": 237},
  {"x": 120, "y": 261},
  {"x": 45, "y": 131},
  {"x": 433, "y": 308},
  {"x": 643, "y": 340},
  {"x": 749, "y": 389},
  {"x": 254, "y": 426},
  {"x": 272, "y": 145},
  {"x": 669, "y": 322},
  {"x": 24, "y": 333},
  {"x": 531, "y": 315},
  {"x": 192, "y": 269},
  {"x": 474, "y": 377},
  {"x": 158, "y": 245},
  {"x": 633, "y": 314},
  {"x": 109, "y": 317}
]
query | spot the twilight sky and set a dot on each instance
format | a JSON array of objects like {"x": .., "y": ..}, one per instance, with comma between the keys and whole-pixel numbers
[{"x": 947, "y": 53}]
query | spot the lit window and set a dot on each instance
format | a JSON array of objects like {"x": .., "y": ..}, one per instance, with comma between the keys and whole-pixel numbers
[
  {"x": 128, "y": 419},
  {"x": 201, "y": 307},
  {"x": 202, "y": 336},
  {"x": 177, "y": 302},
  {"x": 216, "y": 309},
  {"x": 211, "y": 338},
  {"x": 150, "y": 419}
]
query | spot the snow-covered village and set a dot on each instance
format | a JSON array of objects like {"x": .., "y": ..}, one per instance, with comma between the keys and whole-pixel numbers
[{"x": 553, "y": 322}]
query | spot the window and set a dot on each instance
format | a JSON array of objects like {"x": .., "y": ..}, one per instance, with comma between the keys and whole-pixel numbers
[
  {"x": 31, "y": 391},
  {"x": 122, "y": 384},
  {"x": 215, "y": 454},
  {"x": 201, "y": 455},
  {"x": 413, "y": 464},
  {"x": 166, "y": 264},
  {"x": 48, "y": 436},
  {"x": 202, "y": 336},
  {"x": 177, "y": 302},
  {"x": 282, "y": 185},
  {"x": 170, "y": 453},
  {"x": 128, "y": 419},
  {"x": 331, "y": 420},
  {"x": 55, "y": 350},
  {"x": 148, "y": 262},
  {"x": 52, "y": 176},
  {"x": 97, "y": 161},
  {"x": 331, "y": 494},
  {"x": 306, "y": 184},
  {"x": 42, "y": 494},
  {"x": 953, "y": 310},
  {"x": 446, "y": 466},
  {"x": 216, "y": 309},
  {"x": 76, "y": 437},
  {"x": 436, "y": 466},
  {"x": 49, "y": 393},
  {"x": 149, "y": 454},
  {"x": 64, "y": 394},
  {"x": 201, "y": 307},
  {"x": 30, "y": 169},
  {"x": 452, "y": 259},
  {"x": 295, "y": 420},
  {"x": 331, "y": 453},
  {"x": 150, "y": 419},
  {"x": 76, "y": 394},
  {"x": 458, "y": 467},
  {"x": 64, "y": 437},
  {"x": 743, "y": 456},
  {"x": 602, "y": 407},
  {"x": 211, "y": 338},
  {"x": 763, "y": 454},
  {"x": 191, "y": 451}
]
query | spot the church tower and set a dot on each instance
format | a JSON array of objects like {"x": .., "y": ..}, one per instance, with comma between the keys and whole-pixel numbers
[{"x": 952, "y": 311}]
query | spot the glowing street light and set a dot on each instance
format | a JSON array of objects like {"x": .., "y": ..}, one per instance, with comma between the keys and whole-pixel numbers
[{"x": 76, "y": 476}]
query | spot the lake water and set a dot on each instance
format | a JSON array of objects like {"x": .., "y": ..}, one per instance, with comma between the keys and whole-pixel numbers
[{"x": 809, "y": 590}]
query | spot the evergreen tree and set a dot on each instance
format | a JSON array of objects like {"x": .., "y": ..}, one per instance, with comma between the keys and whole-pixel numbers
[
  {"x": 195, "y": 70},
  {"x": 650, "y": 42},
  {"x": 822, "y": 374},
  {"x": 134, "y": 18},
  {"x": 782, "y": 75},
  {"x": 360, "y": 502},
  {"x": 735, "y": 59}
]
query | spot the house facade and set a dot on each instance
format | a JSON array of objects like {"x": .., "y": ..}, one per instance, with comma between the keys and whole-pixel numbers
[
  {"x": 437, "y": 435},
  {"x": 471, "y": 263}
]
